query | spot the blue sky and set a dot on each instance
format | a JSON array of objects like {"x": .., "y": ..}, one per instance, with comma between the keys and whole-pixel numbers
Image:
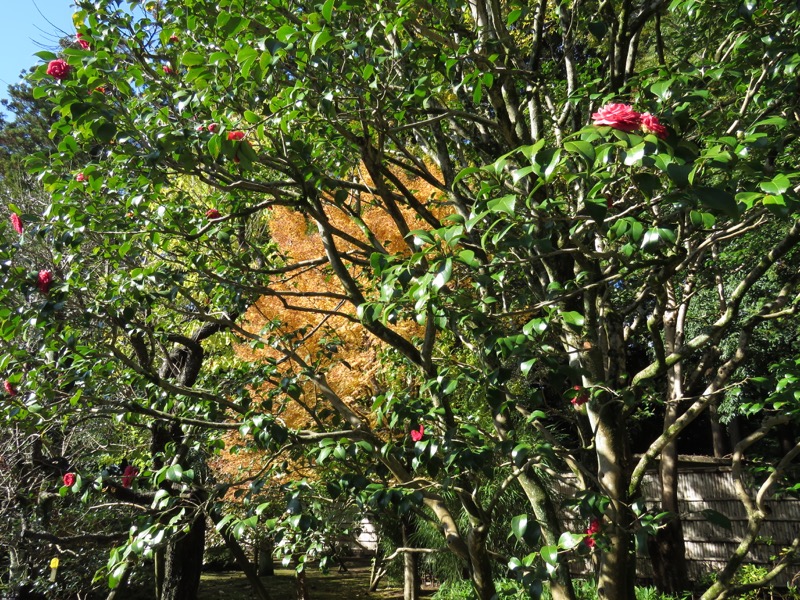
[{"x": 27, "y": 27}]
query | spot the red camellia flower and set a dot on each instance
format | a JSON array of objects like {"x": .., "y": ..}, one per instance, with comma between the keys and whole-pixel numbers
[
  {"x": 10, "y": 389},
  {"x": 82, "y": 42},
  {"x": 128, "y": 475},
  {"x": 45, "y": 280},
  {"x": 100, "y": 89},
  {"x": 69, "y": 479},
  {"x": 618, "y": 116},
  {"x": 167, "y": 70},
  {"x": 416, "y": 434},
  {"x": 80, "y": 177},
  {"x": 212, "y": 127},
  {"x": 651, "y": 124},
  {"x": 213, "y": 213},
  {"x": 236, "y": 136},
  {"x": 58, "y": 68},
  {"x": 16, "y": 223},
  {"x": 581, "y": 396},
  {"x": 174, "y": 39},
  {"x": 594, "y": 528}
]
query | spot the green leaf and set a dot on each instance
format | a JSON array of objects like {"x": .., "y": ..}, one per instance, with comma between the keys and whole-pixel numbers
[
  {"x": 192, "y": 59},
  {"x": 585, "y": 149},
  {"x": 106, "y": 132},
  {"x": 778, "y": 185},
  {"x": 505, "y": 204},
  {"x": 550, "y": 555},
  {"x": 635, "y": 155},
  {"x": 519, "y": 525},
  {"x": 535, "y": 325},
  {"x": 468, "y": 258},
  {"x": 214, "y": 146},
  {"x": 175, "y": 473},
  {"x": 568, "y": 540},
  {"x": 327, "y": 10},
  {"x": 575, "y": 319},
  {"x": 647, "y": 183},
  {"x": 319, "y": 40},
  {"x": 443, "y": 276},
  {"x": 285, "y": 33},
  {"x": 324, "y": 453},
  {"x": 718, "y": 200},
  {"x": 116, "y": 575},
  {"x": 526, "y": 366},
  {"x": 661, "y": 88}
]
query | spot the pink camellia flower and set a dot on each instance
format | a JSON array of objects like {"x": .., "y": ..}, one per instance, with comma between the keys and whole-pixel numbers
[
  {"x": 69, "y": 479},
  {"x": 236, "y": 136},
  {"x": 9, "y": 387},
  {"x": 58, "y": 69},
  {"x": 212, "y": 127},
  {"x": 416, "y": 434},
  {"x": 16, "y": 223},
  {"x": 167, "y": 70},
  {"x": 651, "y": 124},
  {"x": 581, "y": 396},
  {"x": 128, "y": 475},
  {"x": 618, "y": 116},
  {"x": 44, "y": 281},
  {"x": 594, "y": 528},
  {"x": 82, "y": 42},
  {"x": 80, "y": 177},
  {"x": 213, "y": 213}
]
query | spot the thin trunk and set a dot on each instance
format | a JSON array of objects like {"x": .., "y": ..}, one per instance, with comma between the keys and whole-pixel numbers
[
  {"x": 158, "y": 570},
  {"x": 266, "y": 566},
  {"x": 480, "y": 565},
  {"x": 259, "y": 591},
  {"x": 717, "y": 431},
  {"x": 376, "y": 572},
  {"x": 184, "y": 562},
  {"x": 301, "y": 584},
  {"x": 410, "y": 565},
  {"x": 667, "y": 550},
  {"x": 542, "y": 504},
  {"x": 617, "y": 568}
]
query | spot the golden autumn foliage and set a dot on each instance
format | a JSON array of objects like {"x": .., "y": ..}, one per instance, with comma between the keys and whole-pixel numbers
[{"x": 306, "y": 309}]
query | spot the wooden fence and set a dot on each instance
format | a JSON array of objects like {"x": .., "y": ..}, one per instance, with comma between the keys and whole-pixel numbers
[{"x": 707, "y": 484}]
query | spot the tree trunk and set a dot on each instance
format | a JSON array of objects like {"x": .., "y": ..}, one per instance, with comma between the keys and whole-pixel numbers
[
  {"x": 541, "y": 503},
  {"x": 266, "y": 566},
  {"x": 159, "y": 564},
  {"x": 617, "y": 569},
  {"x": 410, "y": 566},
  {"x": 667, "y": 550},
  {"x": 480, "y": 565},
  {"x": 717, "y": 431},
  {"x": 184, "y": 562},
  {"x": 259, "y": 591},
  {"x": 301, "y": 584},
  {"x": 376, "y": 572}
]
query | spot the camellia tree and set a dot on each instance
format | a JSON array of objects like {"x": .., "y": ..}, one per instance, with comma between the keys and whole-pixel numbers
[{"x": 543, "y": 219}]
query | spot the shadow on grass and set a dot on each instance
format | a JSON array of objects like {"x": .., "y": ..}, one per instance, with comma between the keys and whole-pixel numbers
[{"x": 352, "y": 585}]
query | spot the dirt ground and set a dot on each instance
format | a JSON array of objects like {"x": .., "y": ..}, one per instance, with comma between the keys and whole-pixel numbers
[{"x": 352, "y": 585}]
